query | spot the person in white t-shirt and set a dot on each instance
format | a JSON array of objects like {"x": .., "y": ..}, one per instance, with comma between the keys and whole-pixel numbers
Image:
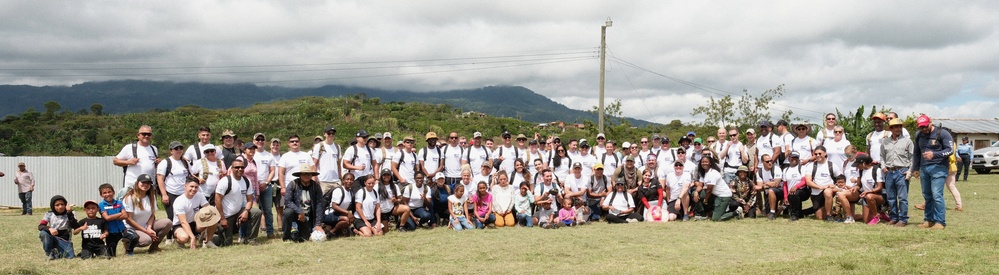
[
  {"x": 576, "y": 184},
  {"x": 786, "y": 137},
  {"x": 431, "y": 158},
  {"x": 194, "y": 152},
  {"x": 677, "y": 182},
  {"x": 326, "y": 158},
  {"x": 266, "y": 173},
  {"x": 733, "y": 154},
  {"x": 620, "y": 206},
  {"x": 453, "y": 156},
  {"x": 586, "y": 159},
  {"x": 137, "y": 158},
  {"x": 826, "y": 133},
  {"x": 507, "y": 153},
  {"x": 803, "y": 144},
  {"x": 836, "y": 149},
  {"x": 822, "y": 184},
  {"x": 171, "y": 181},
  {"x": 874, "y": 138},
  {"x": 185, "y": 229},
  {"x": 767, "y": 143},
  {"x": 871, "y": 183},
  {"x": 359, "y": 158},
  {"x": 710, "y": 176},
  {"x": 417, "y": 196},
  {"x": 338, "y": 215},
  {"x": 209, "y": 170},
  {"x": 367, "y": 209},
  {"x": 292, "y": 162},
  {"x": 234, "y": 200},
  {"x": 404, "y": 162},
  {"x": 139, "y": 204},
  {"x": 477, "y": 154},
  {"x": 769, "y": 179},
  {"x": 849, "y": 191}
]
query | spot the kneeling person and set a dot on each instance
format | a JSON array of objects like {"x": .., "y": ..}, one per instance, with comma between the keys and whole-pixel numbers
[{"x": 234, "y": 199}]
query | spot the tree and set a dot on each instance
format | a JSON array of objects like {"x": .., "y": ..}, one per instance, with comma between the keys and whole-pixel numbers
[
  {"x": 612, "y": 110},
  {"x": 51, "y": 108},
  {"x": 97, "y": 109},
  {"x": 719, "y": 112},
  {"x": 749, "y": 110}
]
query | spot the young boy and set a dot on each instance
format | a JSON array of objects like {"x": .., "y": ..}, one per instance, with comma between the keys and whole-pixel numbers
[
  {"x": 582, "y": 212},
  {"x": 522, "y": 203},
  {"x": 95, "y": 230},
  {"x": 545, "y": 216},
  {"x": 567, "y": 216},
  {"x": 55, "y": 228},
  {"x": 113, "y": 212}
]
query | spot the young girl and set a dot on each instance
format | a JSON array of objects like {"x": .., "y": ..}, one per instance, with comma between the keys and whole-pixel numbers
[
  {"x": 582, "y": 212},
  {"x": 367, "y": 222},
  {"x": 871, "y": 183},
  {"x": 522, "y": 203},
  {"x": 456, "y": 206},
  {"x": 483, "y": 202},
  {"x": 567, "y": 216}
]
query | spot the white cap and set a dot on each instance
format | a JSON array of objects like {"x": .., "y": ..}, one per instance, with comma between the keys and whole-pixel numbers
[
  {"x": 476, "y": 135},
  {"x": 387, "y": 135},
  {"x": 207, "y": 147},
  {"x": 626, "y": 145},
  {"x": 582, "y": 140},
  {"x": 601, "y": 135}
]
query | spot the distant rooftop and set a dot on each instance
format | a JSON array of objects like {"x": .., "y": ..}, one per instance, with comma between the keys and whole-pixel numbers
[{"x": 969, "y": 125}]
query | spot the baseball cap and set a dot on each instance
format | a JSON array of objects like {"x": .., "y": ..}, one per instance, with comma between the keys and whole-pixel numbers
[
  {"x": 476, "y": 135},
  {"x": 249, "y": 145},
  {"x": 577, "y": 165},
  {"x": 439, "y": 176},
  {"x": 175, "y": 144},
  {"x": 691, "y": 133},
  {"x": 766, "y": 123},
  {"x": 794, "y": 155},
  {"x": 655, "y": 137},
  {"x": 207, "y": 147},
  {"x": 879, "y": 115},
  {"x": 89, "y": 202},
  {"x": 862, "y": 158},
  {"x": 665, "y": 140},
  {"x": 533, "y": 142},
  {"x": 697, "y": 140},
  {"x": 361, "y": 133},
  {"x": 751, "y": 131},
  {"x": 257, "y": 135},
  {"x": 431, "y": 135},
  {"x": 521, "y": 136},
  {"x": 626, "y": 145},
  {"x": 386, "y": 135},
  {"x": 598, "y": 166},
  {"x": 629, "y": 158},
  {"x": 923, "y": 121},
  {"x": 782, "y": 123},
  {"x": 584, "y": 144},
  {"x": 506, "y": 134},
  {"x": 144, "y": 178},
  {"x": 601, "y": 135},
  {"x": 273, "y": 140},
  {"x": 228, "y": 133},
  {"x": 386, "y": 171},
  {"x": 329, "y": 128}
]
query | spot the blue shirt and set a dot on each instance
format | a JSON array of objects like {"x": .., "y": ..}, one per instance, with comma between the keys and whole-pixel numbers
[
  {"x": 966, "y": 149},
  {"x": 112, "y": 208},
  {"x": 938, "y": 141}
]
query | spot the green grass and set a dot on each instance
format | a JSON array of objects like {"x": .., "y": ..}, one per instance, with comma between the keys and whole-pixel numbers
[{"x": 968, "y": 245}]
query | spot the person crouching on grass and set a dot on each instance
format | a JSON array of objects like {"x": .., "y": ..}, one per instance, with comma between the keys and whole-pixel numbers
[
  {"x": 566, "y": 215},
  {"x": 367, "y": 221},
  {"x": 620, "y": 206},
  {"x": 303, "y": 205},
  {"x": 871, "y": 184},
  {"x": 483, "y": 203},
  {"x": 188, "y": 219},
  {"x": 95, "y": 230},
  {"x": 54, "y": 230},
  {"x": 456, "y": 206}
]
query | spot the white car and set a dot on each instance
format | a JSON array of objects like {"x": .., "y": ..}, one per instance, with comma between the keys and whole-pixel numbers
[{"x": 986, "y": 159}]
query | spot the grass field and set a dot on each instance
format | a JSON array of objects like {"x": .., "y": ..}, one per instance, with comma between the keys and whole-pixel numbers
[{"x": 968, "y": 245}]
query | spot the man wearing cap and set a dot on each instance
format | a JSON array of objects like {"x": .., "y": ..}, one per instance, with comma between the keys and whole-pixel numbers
[
  {"x": 656, "y": 141},
  {"x": 431, "y": 158},
  {"x": 304, "y": 205},
  {"x": 359, "y": 159},
  {"x": 897, "y": 156},
  {"x": 229, "y": 151},
  {"x": 484, "y": 174},
  {"x": 404, "y": 162},
  {"x": 785, "y": 140},
  {"x": 599, "y": 149},
  {"x": 874, "y": 138},
  {"x": 931, "y": 154},
  {"x": 209, "y": 170},
  {"x": 195, "y": 151},
  {"x": 387, "y": 150},
  {"x": 767, "y": 143},
  {"x": 477, "y": 154},
  {"x": 599, "y": 187},
  {"x": 326, "y": 158},
  {"x": 137, "y": 158},
  {"x": 791, "y": 177},
  {"x": 453, "y": 155},
  {"x": 696, "y": 151},
  {"x": 586, "y": 159},
  {"x": 25, "y": 182},
  {"x": 507, "y": 153},
  {"x": 171, "y": 174},
  {"x": 629, "y": 172},
  {"x": 292, "y": 161},
  {"x": 266, "y": 173},
  {"x": 576, "y": 185},
  {"x": 665, "y": 154},
  {"x": 234, "y": 200}
]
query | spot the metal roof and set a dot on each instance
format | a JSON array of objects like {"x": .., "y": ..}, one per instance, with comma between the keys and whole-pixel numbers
[{"x": 969, "y": 125}]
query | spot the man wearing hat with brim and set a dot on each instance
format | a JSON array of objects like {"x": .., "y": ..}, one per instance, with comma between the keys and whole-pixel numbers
[
  {"x": 229, "y": 151},
  {"x": 933, "y": 147},
  {"x": 387, "y": 150},
  {"x": 358, "y": 159},
  {"x": 304, "y": 205},
  {"x": 897, "y": 156},
  {"x": 326, "y": 158},
  {"x": 431, "y": 157},
  {"x": 477, "y": 154}
]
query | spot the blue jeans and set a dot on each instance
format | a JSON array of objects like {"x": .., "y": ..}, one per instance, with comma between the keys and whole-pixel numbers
[
  {"x": 421, "y": 214},
  {"x": 460, "y": 223},
  {"x": 266, "y": 204},
  {"x": 595, "y": 210},
  {"x": 56, "y": 247},
  {"x": 898, "y": 195},
  {"x": 527, "y": 220},
  {"x": 490, "y": 219},
  {"x": 729, "y": 176},
  {"x": 25, "y": 202},
  {"x": 933, "y": 177}
]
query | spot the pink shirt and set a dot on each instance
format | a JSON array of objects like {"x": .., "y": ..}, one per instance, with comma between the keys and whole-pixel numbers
[
  {"x": 566, "y": 214},
  {"x": 482, "y": 206},
  {"x": 25, "y": 181}
]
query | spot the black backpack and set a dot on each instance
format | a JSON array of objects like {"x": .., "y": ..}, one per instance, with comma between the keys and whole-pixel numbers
[
  {"x": 229, "y": 188},
  {"x": 135, "y": 154},
  {"x": 169, "y": 167},
  {"x": 831, "y": 173},
  {"x": 355, "y": 154}
]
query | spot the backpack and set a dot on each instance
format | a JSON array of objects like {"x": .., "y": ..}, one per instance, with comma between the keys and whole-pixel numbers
[
  {"x": 355, "y": 153},
  {"x": 444, "y": 155},
  {"x": 229, "y": 188},
  {"x": 603, "y": 159},
  {"x": 197, "y": 151},
  {"x": 135, "y": 154},
  {"x": 815, "y": 169},
  {"x": 468, "y": 155},
  {"x": 204, "y": 167},
  {"x": 783, "y": 155},
  {"x": 169, "y": 168},
  {"x": 516, "y": 152},
  {"x": 759, "y": 172},
  {"x": 440, "y": 158}
]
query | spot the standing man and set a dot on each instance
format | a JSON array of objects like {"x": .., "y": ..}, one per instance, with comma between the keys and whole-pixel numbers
[
  {"x": 599, "y": 150},
  {"x": 892, "y": 115},
  {"x": 25, "y": 182},
  {"x": 931, "y": 155},
  {"x": 292, "y": 162},
  {"x": 137, "y": 158},
  {"x": 507, "y": 153},
  {"x": 897, "y": 154},
  {"x": 767, "y": 143},
  {"x": 785, "y": 140},
  {"x": 266, "y": 170},
  {"x": 874, "y": 138},
  {"x": 453, "y": 155},
  {"x": 476, "y": 154},
  {"x": 194, "y": 152},
  {"x": 326, "y": 157},
  {"x": 431, "y": 157},
  {"x": 964, "y": 157},
  {"x": 404, "y": 162},
  {"x": 732, "y": 154},
  {"x": 358, "y": 159},
  {"x": 229, "y": 149},
  {"x": 664, "y": 154}
]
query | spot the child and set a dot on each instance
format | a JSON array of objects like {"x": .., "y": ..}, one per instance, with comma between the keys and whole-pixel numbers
[
  {"x": 847, "y": 194},
  {"x": 582, "y": 212},
  {"x": 95, "y": 230},
  {"x": 522, "y": 203},
  {"x": 54, "y": 230},
  {"x": 114, "y": 213},
  {"x": 545, "y": 215},
  {"x": 456, "y": 206},
  {"x": 567, "y": 216},
  {"x": 482, "y": 203}
]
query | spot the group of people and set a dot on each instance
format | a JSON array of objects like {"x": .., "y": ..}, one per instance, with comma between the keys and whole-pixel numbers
[{"x": 217, "y": 195}]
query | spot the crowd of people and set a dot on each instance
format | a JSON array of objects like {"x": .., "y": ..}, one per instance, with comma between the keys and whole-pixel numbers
[{"x": 220, "y": 195}]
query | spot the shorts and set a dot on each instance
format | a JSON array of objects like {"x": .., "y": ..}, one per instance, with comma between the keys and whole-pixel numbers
[
  {"x": 359, "y": 223},
  {"x": 567, "y": 222},
  {"x": 194, "y": 227},
  {"x": 671, "y": 207},
  {"x": 386, "y": 216},
  {"x": 778, "y": 192},
  {"x": 818, "y": 201},
  {"x": 278, "y": 198}
]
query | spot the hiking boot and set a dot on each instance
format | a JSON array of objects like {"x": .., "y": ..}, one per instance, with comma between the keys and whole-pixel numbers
[
  {"x": 738, "y": 213},
  {"x": 938, "y": 226},
  {"x": 926, "y": 225},
  {"x": 771, "y": 216},
  {"x": 921, "y": 206}
]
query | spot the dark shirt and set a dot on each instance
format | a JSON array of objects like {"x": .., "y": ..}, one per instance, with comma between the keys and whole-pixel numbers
[
  {"x": 938, "y": 141},
  {"x": 92, "y": 234}
]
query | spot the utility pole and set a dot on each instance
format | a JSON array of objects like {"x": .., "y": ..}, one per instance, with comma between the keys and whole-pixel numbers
[{"x": 603, "y": 56}]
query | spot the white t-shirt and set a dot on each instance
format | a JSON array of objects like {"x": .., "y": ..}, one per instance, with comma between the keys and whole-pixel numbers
[
  {"x": 766, "y": 145},
  {"x": 509, "y": 154},
  {"x": 618, "y": 202},
  {"x": 874, "y": 143},
  {"x": 572, "y": 184},
  {"x": 503, "y": 197},
  {"x": 734, "y": 157},
  {"x": 561, "y": 171},
  {"x": 587, "y": 162},
  {"x": 475, "y": 156},
  {"x": 721, "y": 189},
  {"x": 265, "y": 162},
  {"x": 212, "y": 176},
  {"x": 329, "y": 161},
  {"x": 804, "y": 147},
  {"x": 386, "y": 198},
  {"x": 479, "y": 177},
  {"x": 178, "y": 175},
  {"x": 146, "y": 165},
  {"x": 768, "y": 176},
  {"x": 610, "y": 164},
  {"x": 407, "y": 164},
  {"x": 675, "y": 183},
  {"x": 360, "y": 155},
  {"x": 384, "y": 156},
  {"x": 140, "y": 216},
  {"x": 665, "y": 157},
  {"x": 868, "y": 182},
  {"x": 541, "y": 188},
  {"x": 292, "y": 162},
  {"x": 822, "y": 176},
  {"x": 690, "y": 168},
  {"x": 415, "y": 195},
  {"x": 457, "y": 204},
  {"x": 599, "y": 150},
  {"x": 837, "y": 153},
  {"x": 233, "y": 202},
  {"x": 824, "y": 135},
  {"x": 340, "y": 196},
  {"x": 470, "y": 189},
  {"x": 792, "y": 175},
  {"x": 452, "y": 161},
  {"x": 188, "y": 207},
  {"x": 368, "y": 201},
  {"x": 193, "y": 154},
  {"x": 431, "y": 158}
]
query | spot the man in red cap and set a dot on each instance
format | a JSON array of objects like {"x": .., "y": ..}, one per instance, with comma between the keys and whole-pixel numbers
[{"x": 931, "y": 153}]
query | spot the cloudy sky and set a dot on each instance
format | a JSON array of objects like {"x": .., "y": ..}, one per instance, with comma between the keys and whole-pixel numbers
[{"x": 665, "y": 57}]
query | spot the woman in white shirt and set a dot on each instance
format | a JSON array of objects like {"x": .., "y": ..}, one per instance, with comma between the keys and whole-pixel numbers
[
  {"x": 367, "y": 221},
  {"x": 620, "y": 206},
  {"x": 836, "y": 149},
  {"x": 820, "y": 179},
  {"x": 503, "y": 194},
  {"x": 390, "y": 198},
  {"x": 417, "y": 197},
  {"x": 520, "y": 173},
  {"x": 140, "y": 206},
  {"x": 560, "y": 163},
  {"x": 710, "y": 176}
]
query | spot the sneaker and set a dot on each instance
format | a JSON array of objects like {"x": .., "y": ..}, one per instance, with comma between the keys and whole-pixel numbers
[
  {"x": 793, "y": 218},
  {"x": 738, "y": 213},
  {"x": 848, "y": 220},
  {"x": 771, "y": 216},
  {"x": 874, "y": 221},
  {"x": 631, "y": 220},
  {"x": 168, "y": 242},
  {"x": 699, "y": 218},
  {"x": 130, "y": 254},
  {"x": 686, "y": 218},
  {"x": 830, "y": 219}
]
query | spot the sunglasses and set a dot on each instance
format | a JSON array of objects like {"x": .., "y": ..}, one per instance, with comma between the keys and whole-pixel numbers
[
  {"x": 177, "y": 148},
  {"x": 260, "y": 139},
  {"x": 677, "y": 166},
  {"x": 294, "y": 141},
  {"x": 238, "y": 167},
  {"x": 819, "y": 154},
  {"x": 830, "y": 118},
  {"x": 227, "y": 137},
  {"x": 452, "y": 137},
  {"x": 146, "y": 134},
  {"x": 838, "y": 132},
  {"x": 767, "y": 161},
  {"x": 733, "y": 135},
  {"x": 645, "y": 142},
  {"x": 408, "y": 142},
  {"x": 209, "y": 151}
]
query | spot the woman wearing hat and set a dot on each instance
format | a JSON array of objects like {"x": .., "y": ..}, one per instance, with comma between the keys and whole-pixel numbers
[
  {"x": 303, "y": 205},
  {"x": 743, "y": 190},
  {"x": 192, "y": 216}
]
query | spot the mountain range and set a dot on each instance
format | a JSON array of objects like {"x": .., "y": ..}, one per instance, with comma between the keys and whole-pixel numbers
[{"x": 131, "y": 96}]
